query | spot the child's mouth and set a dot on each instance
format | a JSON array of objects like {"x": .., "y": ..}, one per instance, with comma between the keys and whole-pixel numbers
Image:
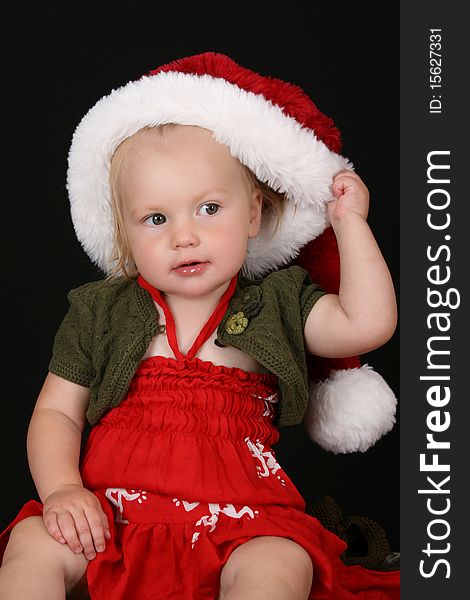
[{"x": 191, "y": 268}]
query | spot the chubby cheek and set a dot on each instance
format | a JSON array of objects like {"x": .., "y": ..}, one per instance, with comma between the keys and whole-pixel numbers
[
  {"x": 232, "y": 243},
  {"x": 146, "y": 252}
]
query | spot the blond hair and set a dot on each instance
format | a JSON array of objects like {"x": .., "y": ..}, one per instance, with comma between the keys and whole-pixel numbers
[{"x": 124, "y": 265}]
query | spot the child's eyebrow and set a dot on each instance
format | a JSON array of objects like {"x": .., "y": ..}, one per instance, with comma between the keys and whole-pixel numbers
[
  {"x": 209, "y": 191},
  {"x": 202, "y": 194}
]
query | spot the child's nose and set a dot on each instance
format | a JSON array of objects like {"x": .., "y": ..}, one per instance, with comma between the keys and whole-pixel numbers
[{"x": 185, "y": 235}]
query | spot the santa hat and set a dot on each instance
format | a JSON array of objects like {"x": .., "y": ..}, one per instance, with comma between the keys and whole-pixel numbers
[{"x": 272, "y": 127}]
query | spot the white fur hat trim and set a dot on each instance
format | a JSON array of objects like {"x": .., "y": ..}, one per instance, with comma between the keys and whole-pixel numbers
[{"x": 350, "y": 411}]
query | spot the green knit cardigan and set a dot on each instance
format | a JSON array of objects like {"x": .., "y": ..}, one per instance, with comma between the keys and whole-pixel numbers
[{"x": 109, "y": 326}]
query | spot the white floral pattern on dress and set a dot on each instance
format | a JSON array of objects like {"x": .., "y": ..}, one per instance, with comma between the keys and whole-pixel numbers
[
  {"x": 212, "y": 518},
  {"x": 269, "y": 401},
  {"x": 269, "y": 465},
  {"x": 116, "y": 495}
]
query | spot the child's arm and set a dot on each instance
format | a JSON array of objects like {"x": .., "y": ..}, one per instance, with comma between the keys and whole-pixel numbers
[
  {"x": 72, "y": 514},
  {"x": 363, "y": 315}
]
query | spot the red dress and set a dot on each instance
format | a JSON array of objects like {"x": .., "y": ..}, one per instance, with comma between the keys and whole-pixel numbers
[{"x": 185, "y": 470}]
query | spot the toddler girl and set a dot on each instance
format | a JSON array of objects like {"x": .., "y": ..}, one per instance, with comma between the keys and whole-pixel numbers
[{"x": 184, "y": 367}]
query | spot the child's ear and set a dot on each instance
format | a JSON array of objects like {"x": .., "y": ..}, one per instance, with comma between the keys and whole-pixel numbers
[{"x": 256, "y": 207}]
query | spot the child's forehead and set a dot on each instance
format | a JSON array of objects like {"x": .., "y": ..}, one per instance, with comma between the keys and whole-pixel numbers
[
  {"x": 184, "y": 146},
  {"x": 170, "y": 137}
]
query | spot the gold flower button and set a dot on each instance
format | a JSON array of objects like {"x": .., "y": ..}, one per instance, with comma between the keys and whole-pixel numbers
[{"x": 236, "y": 324}]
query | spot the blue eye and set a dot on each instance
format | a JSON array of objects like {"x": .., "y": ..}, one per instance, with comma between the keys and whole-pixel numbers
[
  {"x": 209, "y": 209},
  {"x": 156, "y": 219}
]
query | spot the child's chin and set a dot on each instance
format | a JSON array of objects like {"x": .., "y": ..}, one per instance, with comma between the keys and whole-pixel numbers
[{"x": 200, "y": 285}]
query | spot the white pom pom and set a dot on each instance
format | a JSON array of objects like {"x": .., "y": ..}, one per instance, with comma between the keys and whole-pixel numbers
[{"x": 350, "y": 411}]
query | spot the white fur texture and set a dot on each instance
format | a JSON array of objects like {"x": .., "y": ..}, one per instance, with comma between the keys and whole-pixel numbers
[
  {"x": 350, "y": 411},
  {"x": 282, "y": 153}
]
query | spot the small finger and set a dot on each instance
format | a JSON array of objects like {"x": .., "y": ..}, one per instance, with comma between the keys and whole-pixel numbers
[
  {"x": 341, "y": 174},
  {"x": 97, "y": 530},
  {"x": 52, "y": 526},
  {"x": 104, "y": 520},
  {"x": 338, "y": 188},
  {"x": 67, "y": 527},
  {"x": 343, "y": 179},
  {"x": 85, "y": 536},
  {"x": 105, "y": 524}
]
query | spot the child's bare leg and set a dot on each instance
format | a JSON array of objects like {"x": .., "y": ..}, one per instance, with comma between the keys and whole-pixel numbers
[
  {"x": 267, "y": 568},
  {"x": 37, "y": 567}
]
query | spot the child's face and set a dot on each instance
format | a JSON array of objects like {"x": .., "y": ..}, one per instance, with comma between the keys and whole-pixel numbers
[{"x": 189, "y": 211}]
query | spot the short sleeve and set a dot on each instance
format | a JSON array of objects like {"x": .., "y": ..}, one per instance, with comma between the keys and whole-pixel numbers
[
  {"x": 71, "y": 356},
  {"x": 309, "y": 294}
]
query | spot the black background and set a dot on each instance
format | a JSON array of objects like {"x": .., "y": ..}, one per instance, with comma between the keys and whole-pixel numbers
[{"x": 63, "y": 60}]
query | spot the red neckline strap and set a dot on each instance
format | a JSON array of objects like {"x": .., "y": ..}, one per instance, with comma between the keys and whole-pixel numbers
[{"x": 208, "y": 327}]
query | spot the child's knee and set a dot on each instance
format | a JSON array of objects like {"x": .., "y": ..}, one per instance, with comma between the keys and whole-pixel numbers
[
  {"x": 281, "y": 561},
  {"x": 30, "y": 538},
  {"x": 30, "y": 543}
]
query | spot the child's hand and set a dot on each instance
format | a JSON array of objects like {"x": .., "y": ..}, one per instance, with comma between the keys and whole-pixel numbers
[
  {"x": 352, "y": 196},
  {"x": 73, "y": 516}
]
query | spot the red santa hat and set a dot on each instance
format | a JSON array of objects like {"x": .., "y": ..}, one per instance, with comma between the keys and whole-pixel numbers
[{"x": 272, "y": 127}]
